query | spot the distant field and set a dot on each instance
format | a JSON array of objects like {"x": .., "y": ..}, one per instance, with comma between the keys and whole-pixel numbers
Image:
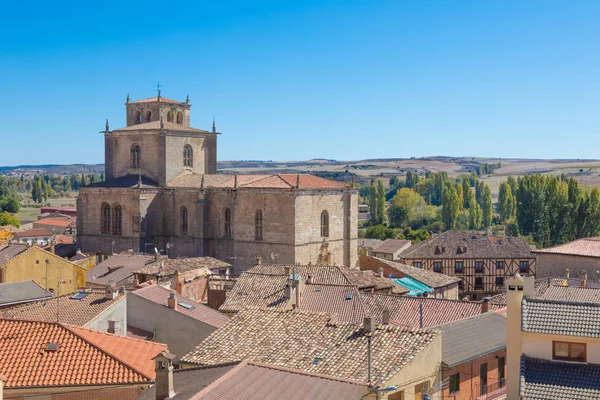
[{"x": 30, "y": 214}]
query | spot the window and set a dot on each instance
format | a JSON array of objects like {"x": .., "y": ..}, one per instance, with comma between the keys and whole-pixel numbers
[
  {"x": 180, "y": 118},
  {"x": 569, "y": 351},
  {"x": 524, "y": 267},
  {"x": 117, "y": 220},
  {"x": 136, "y": 156},
  {"x": 458, "y": 267},
  {"x": 499, "y": 264},
  {"x": 479, "y": 283},
  {"x": 105, "y": 219},
  {"x": 324, "y": 224},
  {"x": 501, "y": 377},
  {"x": 483, "y": 370},
  {"x": 184, "y": 219},
  {"x": 437, "y": 266},
  {"x": 148, "y": 116},
  {"x": 227, "y": 222},
  {"x": 137, "y": 118},
  {"x": 499, "y": 281},
  {"x": 461, "y": 285},
  {"x": 258, "y": 225},
  {"x": 416, "y": 264},
  {"x": 454, "y": 384},
  {"x": 187, "y": 156},
  {"x": 170, "y": 116},
  {"x": 479, "y": 267}
]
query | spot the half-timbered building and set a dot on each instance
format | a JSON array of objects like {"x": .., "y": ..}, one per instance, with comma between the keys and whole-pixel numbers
[{"x": 483, "y": 262}]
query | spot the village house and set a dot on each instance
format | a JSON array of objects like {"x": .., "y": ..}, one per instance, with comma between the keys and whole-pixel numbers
[
  {"x": 164, "y": 270},
  {"x": 173, "y": 319},
  {"x": 579, "y": 255},
  {"x": 474, "y": 358},
  {"x": 64, "y": 210},
  {"x": 162, "y": 191},
  {"x": 390, "y": 249},
  {"x": 104, "y": 311},
  {"x": 16, "y": 293},
  {"x": 419, "y": 282},
  {"x": 553, "y": 346},
  {"x": 482, "y": 262},
  {"x": 54, "y": 225},
  {"x": 366, "y": 246},
  {"x": 50, "y": 360},
  {"x": 405, "y": 360},
  {"x": 40, "y": 236},
  {"x": 20, "y": 262},
  {"x": 118, "y": 269}
]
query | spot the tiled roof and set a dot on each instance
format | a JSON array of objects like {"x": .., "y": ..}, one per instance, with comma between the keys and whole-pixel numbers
[
  {"x": 69, "y": 311},
  {"x": 155, "y": 126},
  {"x": 544, "y": 380},
  {"x": 587, "y": 247},
  {"x": 25, "y": 360},
  {"x": 414, "y": 287},
  {"x": 367, "y": 279},
  {"x": 138, "y": 333},
  {"x": 136, "y": 353},
  {"x": 368, "y": 243},
  {"x": 126, "y": 181},
  {"x": 476, "y": 245},
  {"x": 311, "y": 343},
  {"x": 430, "y": 278},
  {"x": 472, "y": 338},
  {"x": 160, "y": 295},
  {"x": 117, "y": 268},
  {"x": 561, "y": 318},
  {"x": 539, "y": 288},
  {"x": 53, "y": 222},
  {"x": 168, "y": 266},
  {"x": 279, "y": 181},
  {"x": 155, "y": 99},
  {"x": 9, "y": 252},
  {"x": 390, "y": 246},
  {"x": 36, "y": 232},
  {"x": 63, "y": 239},
  {"x": 572, "y": 293},
  {"x": 21, "y": 292}
]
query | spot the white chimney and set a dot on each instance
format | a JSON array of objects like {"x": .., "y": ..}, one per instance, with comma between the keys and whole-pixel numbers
[
  {"x": 567, "y": 273},
  {"x": 381, "y": 273},
  {"x": 368, "y": 325},
  {"x": 258, "y": 260},
  {"x": 385, "y": 317},
  {"x": 111, "y": 292},
  {"x": 164, "y": 375},
  {"x": 485, "y": 304},
  {"x": 583, "y": 278},
  {"x": 172, "y": 301}
]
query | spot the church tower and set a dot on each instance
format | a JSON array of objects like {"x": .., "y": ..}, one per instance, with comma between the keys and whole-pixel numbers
[{"x": 158, "y": 143}]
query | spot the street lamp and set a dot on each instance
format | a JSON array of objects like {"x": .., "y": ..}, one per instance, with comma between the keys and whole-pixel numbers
[{"x": 377, "y": 390}]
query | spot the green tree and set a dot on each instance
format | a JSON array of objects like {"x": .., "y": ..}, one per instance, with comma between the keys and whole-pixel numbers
[
  {"x": 403, "y": 205},
  {"x": 373, "y": 204},
  {"x": 7, "y": 219},
  {"x": 449, "y": 206},
  {"x": 380, "y": 202},
  {"x": 380, "y": 232},
  {"x": 474, "y": 213},
  {"x": 459, "y": 195},
  {"x": 506, "y": 202},
  {"x": 486, "y": 206},
  {"x": 467, "y": 192}
]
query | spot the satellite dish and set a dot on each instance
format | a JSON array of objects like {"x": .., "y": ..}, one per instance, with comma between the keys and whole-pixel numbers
[{"x": 94, "y": 277}]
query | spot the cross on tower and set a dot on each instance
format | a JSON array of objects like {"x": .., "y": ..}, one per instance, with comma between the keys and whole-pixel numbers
[{"x": 158, "y": 86}]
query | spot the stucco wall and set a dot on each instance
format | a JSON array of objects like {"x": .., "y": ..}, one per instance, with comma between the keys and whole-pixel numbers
[
  {"x": 540, "y": 345},
  {"x": 549, "y": 265},
  {"x": 470, "y": 378},
  {"x": 118, "y": 312}
]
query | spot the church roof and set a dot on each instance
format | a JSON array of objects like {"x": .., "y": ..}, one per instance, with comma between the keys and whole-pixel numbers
[
  {"x": 127, "y": 181},
  {"x": 155, "y": 99},
  {"x": 276, "y": 181},
  {"x": 155, "y": 125}
]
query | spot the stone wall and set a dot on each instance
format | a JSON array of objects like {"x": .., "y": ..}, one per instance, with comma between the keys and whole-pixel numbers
[
  {"x": 120, "y": 154},
  {"x": 173, "y": 161},
  {"x": 549, "y": 265}
]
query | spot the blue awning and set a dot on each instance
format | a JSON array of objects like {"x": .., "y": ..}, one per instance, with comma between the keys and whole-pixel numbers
[{"x": 415, "y": 288}]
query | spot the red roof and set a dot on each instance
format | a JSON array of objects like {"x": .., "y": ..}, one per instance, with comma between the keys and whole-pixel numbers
[
  {"x": 38, "y": 232},
  {"x": 587, "y": 247},
  {"x": 155, "y": 99},
  {"x": 278, "y": 181},
  {"x": 53, "y": 222}
]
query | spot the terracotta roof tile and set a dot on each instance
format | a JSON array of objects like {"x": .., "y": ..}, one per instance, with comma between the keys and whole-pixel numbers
[
  {"x": 168, "y": 266},
  {"x": 37, "y": 232},
  {"x": 432, "y": 279},
  {"x": 390, "y": 246},
  {"x": 25, "y": 360},
  {"x": 258, "y": 181},
  {"x": 53, "y": 222},
  {"x": 155, "y": 99},
  {"x": 155, "y": 125},
  {"x": 10, "y": 251},
  {"x": 561, "y": 317},
  {"x": 588, "y": 247},
  {"x": 572, "y": 293}
]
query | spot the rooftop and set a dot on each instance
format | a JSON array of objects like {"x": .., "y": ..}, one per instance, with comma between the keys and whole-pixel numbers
[
  {"x": 117, "y": 268},
  {"x": 198, "y": 311},
  {"x": 561, "y": 317},
  {"x": 168, "y": 266},
  {"x": 455, "y": 244},
  {"x": 21, "y": 292},
  {"x": 390, "y": 246},
  {"x": 69, "y": 310},
  {"x": 587, "y": 247},
  {"x": 432, "y": 279},
  {"x": 156, "y": 125},
  {"x": 9, "y": 252},
  {"x": 472, "y": 337},
  {"x": 544, "y": 379},
  {"x": 36, "y": 232},
  {"x": 310, "y": 343},
  {"x": 53, "y": 222},
  {"x": 126, "y": 181},
  {"x": 540, "y": 287},
  {"x": 278, "y": 181},
  {"x": 155, "y": 99},
  {"x": 572, "y": 293},
  {"x": 81, "y": 358}
]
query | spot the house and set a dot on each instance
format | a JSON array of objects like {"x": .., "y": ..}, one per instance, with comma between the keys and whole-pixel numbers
[
  {"x": 390, "y": 249},
  {"x": 16, "y": 293},
  {"x": 436, "y": 284},
  {"x": 174, "y": 320},
  {"x": 55, "y": 225},
  {"x": 251, "y": 380},
  {"x": 65, "y": 210},
  {"x": 482, "y": 262},
  {"x": 406, "y": 358},
  {"x": 117, "y": 269},
  {"x": 164, "y": 270},
  {"x": 20, "y": 262},
  {"x": 50, "y": 360},
  {"x": 104, "y": 311},
  {"x": 366, "y": 246},
  {"x": 579, "y": 255},
  {"x": 553, "y": 346},
  {"x": 39, "y": 236},
  {"x": 474, "y": 357}
]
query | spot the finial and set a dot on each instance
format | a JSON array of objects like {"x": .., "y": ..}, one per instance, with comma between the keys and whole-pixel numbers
[
  {"x": 162, "y": 124},
  {"x": 106, "y": 129},
  {"x": 187, "y": 99},
  {"x": 297, "y": 181},
  {"x": 214, "y": 130},
  {"x": 128, "y": 99},
  {"x": 158, "y": 86}
]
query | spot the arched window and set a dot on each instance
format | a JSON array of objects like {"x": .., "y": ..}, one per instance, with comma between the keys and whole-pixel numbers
[
  {"x": 148, "y": 116},
  {"x": 188, "y": 156},
  {"x": 137, "y": 118},
  {"x": 136, "y": 156},
  {"x": 324, "y": 224},
  {"x": 117, "y": 228},
  {"x": 180, "y": 118},
  {"x": 105, "y": 219},
  {"x": 170, "y": 116},
  {"x": 184, "y": 219},
  {"x": 227, "y": 222},
  {"x": 258, "y": 225}
]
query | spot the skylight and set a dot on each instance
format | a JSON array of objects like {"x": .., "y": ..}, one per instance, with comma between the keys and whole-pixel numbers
[
  {"x": 186, "y": 305},
  {"x": 80, "y": 295}
]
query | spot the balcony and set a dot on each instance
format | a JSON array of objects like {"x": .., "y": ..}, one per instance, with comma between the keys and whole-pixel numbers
[{"x": 493, "y": 391}]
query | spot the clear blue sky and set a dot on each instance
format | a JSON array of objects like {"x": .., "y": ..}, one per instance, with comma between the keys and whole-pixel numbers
[{"x": 292, "y": 80}]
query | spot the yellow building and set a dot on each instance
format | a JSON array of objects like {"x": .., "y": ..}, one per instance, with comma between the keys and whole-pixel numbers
[{"x": 23, "y": 263}]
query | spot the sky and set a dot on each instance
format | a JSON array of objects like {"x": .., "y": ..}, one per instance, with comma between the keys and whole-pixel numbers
[{"x": 296, "y": 80}]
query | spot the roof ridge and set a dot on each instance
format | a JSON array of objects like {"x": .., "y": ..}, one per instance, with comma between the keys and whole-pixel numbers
[
  {"x": 286, "y": 182},
  {"x": 563, "y": 302},
  {"x": 306, "y": 373}
]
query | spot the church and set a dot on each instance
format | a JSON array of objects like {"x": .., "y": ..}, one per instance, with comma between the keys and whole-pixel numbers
[{"x": 162, "y": 192}]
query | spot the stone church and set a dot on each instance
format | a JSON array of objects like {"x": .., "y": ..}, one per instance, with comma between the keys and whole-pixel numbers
[{"x": 162, "y": 191}]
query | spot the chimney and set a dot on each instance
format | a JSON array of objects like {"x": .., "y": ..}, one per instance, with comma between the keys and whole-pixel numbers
[
  {"x": 597, "y": 276},
  {"x": 287, "y": 271},
  {"x": 583, "y": 278},
  {"x": 368, "y": 325},
  {"x": 258, "y": 260},
  {"x": 381, "y": 273},
  {"x": 164, "y": 375},
  {"x": 287, "y": 293},
  {"x": 485, "y": 304},
  {"x": 172, "y": 301},
  {"x": 567, "y": 273},
  {"x": 111, "y": 292},
  {"x": 385, "y": 317},
  {"x": 136, "y": 282},
  {"x": 309, "y": 279},
  {"x": 421, "y": 315}
]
